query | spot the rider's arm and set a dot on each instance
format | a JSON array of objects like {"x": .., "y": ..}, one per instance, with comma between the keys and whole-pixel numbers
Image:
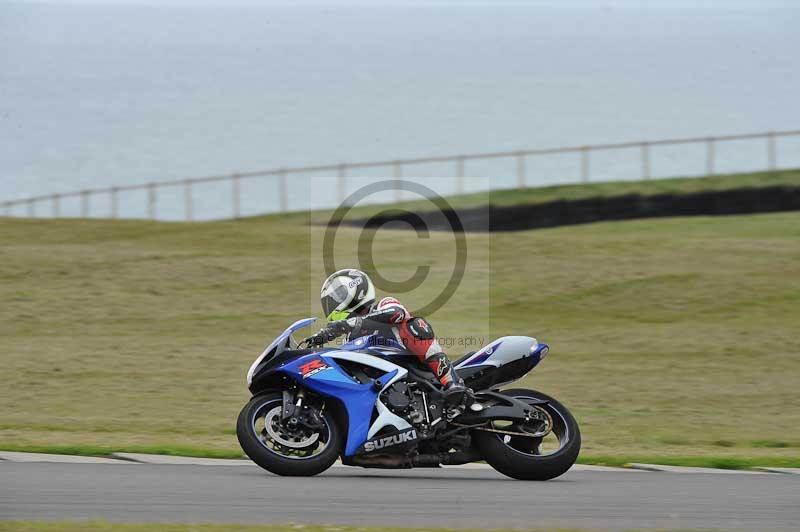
[
  {"x": 387, "y": 314},
  {"x": 334, "y": 330}
]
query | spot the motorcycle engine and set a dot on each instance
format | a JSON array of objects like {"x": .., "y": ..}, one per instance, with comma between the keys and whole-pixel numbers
[
  {"x": 403, "y": 402},
  {"x": 397, "y": 398}
]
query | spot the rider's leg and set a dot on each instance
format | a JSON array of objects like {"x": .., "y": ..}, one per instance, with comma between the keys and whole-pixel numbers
[
  {"x": 444, "y": 371},
  {"x": 418, "y": 337}
]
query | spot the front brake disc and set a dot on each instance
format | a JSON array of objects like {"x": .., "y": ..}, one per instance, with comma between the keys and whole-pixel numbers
[{"x": 279, "y": 433}]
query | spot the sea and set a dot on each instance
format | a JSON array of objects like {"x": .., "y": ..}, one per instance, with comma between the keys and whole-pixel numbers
[{"x": 115, "y": 93}]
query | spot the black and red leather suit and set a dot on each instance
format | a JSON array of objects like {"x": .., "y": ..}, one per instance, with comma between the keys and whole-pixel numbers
[{"x": 390, "y": 319}]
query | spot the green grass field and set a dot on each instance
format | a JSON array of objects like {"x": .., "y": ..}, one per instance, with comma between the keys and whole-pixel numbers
[
  {"x": 673, "y": 339},
  {"x": 102, "y": 526}
]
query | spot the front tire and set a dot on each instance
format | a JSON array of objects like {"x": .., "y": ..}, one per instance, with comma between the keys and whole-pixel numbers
[
  {"x": 520, "y": 457},
  {"x": 302, "y": 453}
]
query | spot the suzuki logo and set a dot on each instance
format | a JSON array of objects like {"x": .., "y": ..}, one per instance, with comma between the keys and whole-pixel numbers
[{"x": 388, "y": 441}]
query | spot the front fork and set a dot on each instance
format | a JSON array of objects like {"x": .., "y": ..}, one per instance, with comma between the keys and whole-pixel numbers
[
  {"x": 289, "y": 406},
  {"x": 298, "y": 410}
]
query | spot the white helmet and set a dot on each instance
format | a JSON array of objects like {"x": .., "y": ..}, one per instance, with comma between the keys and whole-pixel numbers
[{"x": 345, "y": 292}]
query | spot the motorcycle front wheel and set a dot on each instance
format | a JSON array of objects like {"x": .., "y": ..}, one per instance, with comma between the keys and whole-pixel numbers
[
  {"x": 525, "y": 457},
  {"x": 282, "y": 448}
]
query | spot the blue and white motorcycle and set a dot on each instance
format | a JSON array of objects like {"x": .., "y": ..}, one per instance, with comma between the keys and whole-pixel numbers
[{"x": 372, "y": 404}]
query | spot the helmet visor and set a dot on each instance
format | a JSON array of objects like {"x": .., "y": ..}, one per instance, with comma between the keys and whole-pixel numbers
[{"x": 334, "y": 296}]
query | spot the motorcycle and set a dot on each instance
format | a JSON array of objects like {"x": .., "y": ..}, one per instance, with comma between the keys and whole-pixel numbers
[{"x": 372, "y": 404}]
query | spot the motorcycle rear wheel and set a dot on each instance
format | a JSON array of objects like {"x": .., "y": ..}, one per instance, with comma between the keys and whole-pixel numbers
[
  {"x": 300, "y": 453},
  {"x": 517, "y": 457}
]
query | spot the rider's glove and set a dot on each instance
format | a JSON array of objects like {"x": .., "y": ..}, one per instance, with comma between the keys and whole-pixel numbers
[
  {"x": 322, "y": 337},
  {"x": 345, "y": 326},
  {"x": 334, "y": 330}
]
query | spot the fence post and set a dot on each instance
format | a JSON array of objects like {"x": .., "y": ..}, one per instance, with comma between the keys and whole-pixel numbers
[
  {"x": 31, "y": 208},
  {"x": 342, "y": 182},
  {"x": 398, "y": 174},
  {"x": 114, "y": 205},
  {"x": 84, "y": 203},
  {"x": 772, "y": 160},
  {"x": 56, "y": 205},
  {"x": 236, "y": 196},
  {"x": 460, "y": 174},
  {"x": 521, "y": 170},
  {"x": 645, "y": 160},
  {"x": 151, "y": 201},
  {"x": 585, "y": 164},
  {"x": 710, "y": 156},
  {"x": 188, "y": 200},
  {"x": 283, "y": 191}
]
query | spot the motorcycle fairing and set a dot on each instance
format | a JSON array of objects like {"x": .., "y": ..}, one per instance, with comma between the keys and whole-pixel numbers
[
  {"x": 501, "y": 351},
  {"x": 321, "y": 374},
  {"x": 375, "y": 344},
  {"x": 280, "y": 343},
  {"x": 500, "y": 362}
]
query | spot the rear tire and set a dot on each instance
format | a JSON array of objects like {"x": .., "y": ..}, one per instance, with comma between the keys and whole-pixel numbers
[
  {"x": 522, "y": 465},
  {"x": 255, "y": 447}
]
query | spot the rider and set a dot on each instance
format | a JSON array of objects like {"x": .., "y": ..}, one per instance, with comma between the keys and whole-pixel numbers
[{"x": 348, "y": 300}]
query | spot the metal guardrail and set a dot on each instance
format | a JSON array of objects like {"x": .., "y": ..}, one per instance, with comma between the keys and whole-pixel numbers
[{"x": 396, "y": 165}]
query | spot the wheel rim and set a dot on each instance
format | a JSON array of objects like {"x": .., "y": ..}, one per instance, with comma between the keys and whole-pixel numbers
[
  {"x": 295, "y": 443},
  {"x": 551, "y": 443}
]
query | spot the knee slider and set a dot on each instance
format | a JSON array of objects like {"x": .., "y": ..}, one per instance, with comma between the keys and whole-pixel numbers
[{"x": 421, "y": 329}]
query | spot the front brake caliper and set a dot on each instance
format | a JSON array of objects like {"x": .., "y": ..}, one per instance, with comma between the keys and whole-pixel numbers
[{"x": 288, "y": 405}]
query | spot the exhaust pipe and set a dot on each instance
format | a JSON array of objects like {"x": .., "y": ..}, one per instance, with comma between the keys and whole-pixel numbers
[{"x": 390, "y": 461}]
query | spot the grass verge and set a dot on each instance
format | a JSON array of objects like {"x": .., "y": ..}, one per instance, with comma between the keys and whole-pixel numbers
[
  {"x": 103, "y": 526},
  {"x": 720, "y": 462},
  {"x": 672, "y": 338},
  {"x": 105, "y": 450}
]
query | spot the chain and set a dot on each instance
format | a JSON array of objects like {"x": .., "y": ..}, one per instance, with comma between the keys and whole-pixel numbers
[{"x": 498, "y": 431}]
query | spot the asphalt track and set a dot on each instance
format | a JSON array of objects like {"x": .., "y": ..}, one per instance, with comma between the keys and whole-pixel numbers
[{"x": 474, "y": 498}]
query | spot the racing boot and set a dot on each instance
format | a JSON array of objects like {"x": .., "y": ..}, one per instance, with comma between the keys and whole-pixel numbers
[{"x": 452, "y": 385}]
